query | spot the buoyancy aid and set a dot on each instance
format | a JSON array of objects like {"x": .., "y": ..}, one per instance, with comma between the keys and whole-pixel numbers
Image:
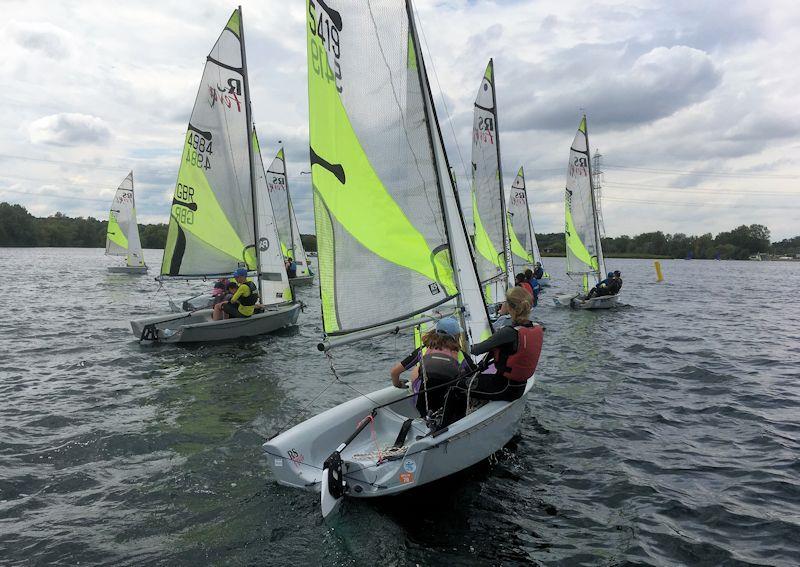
[
  {"x": 440, "y": 362},
  {"x": 251, "y": 299},
  {"x": 520, "y": 364},
  {"x": 527, "y": 287}
]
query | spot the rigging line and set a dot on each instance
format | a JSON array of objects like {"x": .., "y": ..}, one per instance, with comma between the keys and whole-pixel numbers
[
  {"x": 441, "y": 96},
  {"x": 699, "y": 173}
]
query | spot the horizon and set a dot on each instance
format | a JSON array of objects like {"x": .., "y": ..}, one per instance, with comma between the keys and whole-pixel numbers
[{"x": 691, "y": 106}]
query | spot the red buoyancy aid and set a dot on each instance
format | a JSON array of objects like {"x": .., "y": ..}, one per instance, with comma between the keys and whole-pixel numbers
[
  {"x": 520, "y": 365},
  {"x": 527, "y": 287}
]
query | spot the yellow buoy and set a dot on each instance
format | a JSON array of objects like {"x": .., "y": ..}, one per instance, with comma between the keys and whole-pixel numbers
[{"x": 659, "y": 275}]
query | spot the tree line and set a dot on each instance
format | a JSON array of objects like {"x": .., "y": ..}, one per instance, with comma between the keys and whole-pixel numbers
[{"x": 19, "y": 228}]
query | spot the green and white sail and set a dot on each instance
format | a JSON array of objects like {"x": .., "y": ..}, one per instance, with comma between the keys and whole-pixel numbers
[
  {"x": 289, "y": 233},
  {"x": 524, "y": 248},
  {"x": 388, "y": 245},
  {"x": 122, "y": 234},
  {"x": 488, "y": 199},
  {"x": 275, "y": 286},
  {"x": 581, "y": 230},
  {"x": 211, "y": 227}
]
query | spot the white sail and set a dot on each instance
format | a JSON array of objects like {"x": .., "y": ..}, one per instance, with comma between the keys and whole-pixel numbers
[
  {"x": 288, "y": 230},
  {"x": 122, "y": 235},
  {"x": 211, "y": 228},
  {"x": 488, "y": 200},
  {"x": 581, "y": 231},
  {"x": 524, "y": 248},
  {"x": 272, "y": 276},
  {"x": 298, "y": 252}
]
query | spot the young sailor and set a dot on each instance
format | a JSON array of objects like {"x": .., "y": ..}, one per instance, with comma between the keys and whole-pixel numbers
[
  {"x": 291, "y": 268},
  {"x": 538, "y": 271},
  {"x": 242, "y": 304},
  {"x": 523, "y": 283},
  {"x": 535, "y": 286},
  {"x": 438, "y": 361},
  {"x": 602, "y": 288},
  {"x": 513, "y": 355}
]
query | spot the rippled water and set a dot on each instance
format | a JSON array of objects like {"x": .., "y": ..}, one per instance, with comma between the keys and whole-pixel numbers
[{"x": 663, "y": 433}]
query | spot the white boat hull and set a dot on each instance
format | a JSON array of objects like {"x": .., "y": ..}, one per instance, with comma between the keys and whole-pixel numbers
[
  {"x": 296, "y": 457},
  {"x": 198, "y": 326},
  {"x": 130, "y": 270},
  {"x": 575, "y": 302}
]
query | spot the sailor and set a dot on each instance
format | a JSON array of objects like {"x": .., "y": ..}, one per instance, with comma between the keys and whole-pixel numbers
[
  {"x": 437, "y": 362},
  {"x": 291, "y": 268},
  {"x": 242, "y": 303},
  {"x": 513, "y": 356},
  {"x": 602, "y": 288},
  {"x": 535, "y": 287},
  {"x": 617, "y": 281},
  {"x": 523, "y": 283},
  {"x": 538, "y": 271}
]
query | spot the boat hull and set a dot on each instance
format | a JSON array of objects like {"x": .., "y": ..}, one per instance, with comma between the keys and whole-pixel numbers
[
  {"x": 575, "y": 302},
  {"x": 296, "y": 457},
  {"x": 198, "y": 326},
  {"x": 302, "y": 281},
  {"x": 130, "y": 270}
]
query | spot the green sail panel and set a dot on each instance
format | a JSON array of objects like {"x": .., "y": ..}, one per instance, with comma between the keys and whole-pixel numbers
[
  {"x": 122, "y": 234},
  {"x": 211, "y": 228},
  {"x": 524, "y": 248},
  {"x": 581, "y": 231},
  {"x": 487, "y": 189},
  {"x": 288, "y": 229},
  {"x": 382, "y": 243}
]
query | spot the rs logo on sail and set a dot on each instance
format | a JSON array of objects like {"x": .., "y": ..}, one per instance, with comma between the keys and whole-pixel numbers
[{"x": 226, "y": 95}]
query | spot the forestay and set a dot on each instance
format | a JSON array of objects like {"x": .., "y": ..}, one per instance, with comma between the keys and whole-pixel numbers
[
  {"x": 211, "y": 229},
  {"x": 388, "y": 227},
  {"x": 273, "y": 279},
  {"x": 488, "y": 207},
  {"x": 122, "y": 235},
  {"x": 584, "y": 253},
  {"x": 291, "y": 244}
]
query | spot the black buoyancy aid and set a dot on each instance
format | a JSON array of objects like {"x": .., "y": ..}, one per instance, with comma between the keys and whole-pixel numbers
[
  {"x": 520, "y": 364},
  {"x": 438, "y": 365},
  {"x": 251, "y": 299}
]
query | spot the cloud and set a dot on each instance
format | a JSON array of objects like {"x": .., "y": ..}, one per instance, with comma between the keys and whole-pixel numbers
[
  {"x": 69, "y": 129},
  {"x": 41, "y": 37},
  {"x": 656, "y": 85}
]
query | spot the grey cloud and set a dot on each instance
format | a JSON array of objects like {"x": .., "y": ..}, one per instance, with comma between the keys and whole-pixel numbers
[
  {"x": 45, "y": 38},
  {"x": 656, "y": 85},
  {"x": 68, "y": 129}
]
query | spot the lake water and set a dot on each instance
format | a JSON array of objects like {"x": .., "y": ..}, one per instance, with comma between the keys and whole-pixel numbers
[{"x": 665, "y": 432}]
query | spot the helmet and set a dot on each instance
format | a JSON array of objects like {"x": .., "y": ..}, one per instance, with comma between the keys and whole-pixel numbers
[
  {"x": 617, "y": 273},
  {"x": 240, "y": 272},
  {"x": 448, "y": 326}
]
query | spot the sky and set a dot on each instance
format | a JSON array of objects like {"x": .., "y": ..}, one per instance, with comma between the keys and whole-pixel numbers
[{"x": 693, "y": 105}]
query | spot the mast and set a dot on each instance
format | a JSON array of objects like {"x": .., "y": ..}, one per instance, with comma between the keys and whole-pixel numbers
[
  {"x": 503, "y": 213},
  {"x": 249, "y": 118},
  {"x": 600, "y": 269},
  {"x": 426, "y": 88},
  {"x": 136, "y": 225},
  {"x": 292, "y": 219}
]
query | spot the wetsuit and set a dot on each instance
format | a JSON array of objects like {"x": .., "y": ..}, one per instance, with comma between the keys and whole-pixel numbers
[
  {"x": 441, "y": 367},
  {"x": 600, "y": 289}
]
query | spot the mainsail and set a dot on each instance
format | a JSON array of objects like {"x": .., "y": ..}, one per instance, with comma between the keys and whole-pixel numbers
[
  {"x": 584, "y": 252},
  {"x": 391, "y": 243},
  {"x": 524, "y": 248},
  {"x": 122, "y": 235},
  {"x": 488, "y": 200},
  {"x": 211, "y": 227},
  {"x": 274, "y": 281},
  {"x": 291, "y": 244}
]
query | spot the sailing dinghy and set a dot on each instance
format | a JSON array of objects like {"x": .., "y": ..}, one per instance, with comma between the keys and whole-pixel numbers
[
  {"x": 122, "y": 234},
  {"x": 495, "y": 270},
  {"x": 221, "y": 217},
  {"x": 288, "y": 230},
  {"x": 524, "y": 248},
  {"x": 386, "y": 211},
  {"x": 585, "y": 260}
]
